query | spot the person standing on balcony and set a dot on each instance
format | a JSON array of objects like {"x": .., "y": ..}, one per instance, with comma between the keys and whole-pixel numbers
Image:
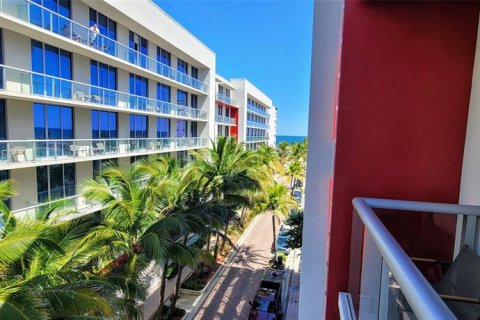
[{"x": 94, "y": 32}]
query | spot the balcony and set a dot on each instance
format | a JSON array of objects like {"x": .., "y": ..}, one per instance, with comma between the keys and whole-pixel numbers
[
  {"x": 256, "y": 139},
  {"x": 25, "y": 153},
  {"x": 17, "y": 81},
  {"x": 40, "y": 16},
  {"x": 225, "y": 120},
  {"x": 225, "y": 99},
  {"x": 385, "y": 283},
  {"x": 259, "y": 125},
  {"x": 258, "y": 111}
]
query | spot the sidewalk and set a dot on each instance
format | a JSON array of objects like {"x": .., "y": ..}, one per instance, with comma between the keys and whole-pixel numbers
[{"x": 294, "y": 266}]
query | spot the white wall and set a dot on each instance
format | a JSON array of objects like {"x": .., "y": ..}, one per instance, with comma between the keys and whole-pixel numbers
[{"x": 326, "y": 40}]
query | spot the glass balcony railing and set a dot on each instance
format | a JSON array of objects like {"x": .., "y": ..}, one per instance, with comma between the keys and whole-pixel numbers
[
  {"x": 37, "y": 84},
  {"x": 256, "y": 139},
  {"x": 29, "y": 151},
  {"x": 225, "y": 120},
  {"x": 255, "y": 124},
  {"x": 256, "y": 110},
  {"x": 386, "y": 283},
  {"x": 225, "y": 99},
  {"x": 42, "y": 17}
]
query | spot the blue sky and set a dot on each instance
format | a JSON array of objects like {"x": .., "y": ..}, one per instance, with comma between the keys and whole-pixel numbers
[{"x": 268, "y": 42}]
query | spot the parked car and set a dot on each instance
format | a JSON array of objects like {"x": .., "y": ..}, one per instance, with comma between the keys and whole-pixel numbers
[{"x": 282, "y": 243}]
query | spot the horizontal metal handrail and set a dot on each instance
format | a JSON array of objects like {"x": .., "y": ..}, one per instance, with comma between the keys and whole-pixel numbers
[
  {"x": 224, "y": 119},
  {"x": 255, "y": 124},
  {"x": 255, "y": 139},
  {"x": 258, "y": 110},
  {"x": 29, "y": 151},
  {"x": 226, "y": 99},
  {"x": 422, "y": 298},
  {"x": 58, "y": 24},
  {"x": 38, "y": 84}
]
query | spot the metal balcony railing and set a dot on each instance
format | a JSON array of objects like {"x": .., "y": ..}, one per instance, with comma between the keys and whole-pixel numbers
[
  {"x": 37, "y": 84},
  {"x": 390, "y": 285},
  {"x": 256, "y": 110},
  {"x": 47, "y": 19},
  {"x": 225, "y": 99},
  {"x": 255, "y": 124},
  {"x": 225, "y": 120},
  {"x": 256, "y": 139},
  {"x": 30, "y": 151}
]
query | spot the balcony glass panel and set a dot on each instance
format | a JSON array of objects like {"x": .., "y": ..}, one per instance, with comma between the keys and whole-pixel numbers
[
  {"x": 33, "y": 83},
  {"x": 28, "y": 151},
  {"x": 38, "y": 15}
]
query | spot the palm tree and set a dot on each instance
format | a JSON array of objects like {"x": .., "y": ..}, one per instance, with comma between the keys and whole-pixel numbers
[
  {"x": 141, "y": 234},
  {"x": 269, "y": 158},
  {"x": 171, "y": 185},
  {"x": 45, "y": 269},
  {"x": 277, "y": 200},
  {"x": 295, "y": 172},
  {"x": 226, "y": 173},
  {"x": 283, "y": 150},
  {"x": 297, "y": 151}
]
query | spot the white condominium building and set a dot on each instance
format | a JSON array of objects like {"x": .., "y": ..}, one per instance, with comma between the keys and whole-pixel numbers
[
  {"x": 256, "y": 115},
  {"x": 226, "y": 109},
  {"x": 89, "y": 81}
]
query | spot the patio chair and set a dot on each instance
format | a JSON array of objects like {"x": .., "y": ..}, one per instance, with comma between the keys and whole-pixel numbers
[
  {"x": 96, "y": 98},
  {"x": 79, "y": 95},
  {"x": 99, "y": 148},
  {"x": 460, "y": 287},
  {"x": 16, "y": 151}
]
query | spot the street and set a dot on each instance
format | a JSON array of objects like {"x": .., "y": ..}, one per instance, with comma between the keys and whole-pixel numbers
[{"x": 237, "y": 285}]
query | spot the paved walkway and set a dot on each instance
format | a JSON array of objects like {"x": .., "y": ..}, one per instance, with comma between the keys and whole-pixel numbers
[
  {"x": 240, "y": 278},
  {"x": 294, "y": 265}
]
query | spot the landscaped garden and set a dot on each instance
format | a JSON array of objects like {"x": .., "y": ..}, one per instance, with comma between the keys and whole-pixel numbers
[{"x": 59, "y": 265}]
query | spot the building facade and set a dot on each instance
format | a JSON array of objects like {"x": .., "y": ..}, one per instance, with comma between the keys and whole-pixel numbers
[
  {"x": 87, "y": 81},
  {"x": 394, "y": 115},
  {"x": 256, "y": 114}
]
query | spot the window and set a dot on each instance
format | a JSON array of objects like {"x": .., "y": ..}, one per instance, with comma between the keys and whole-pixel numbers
[
  {"x": 3, "y": 124},
  {"x": 227, "y": 92},
  {"x": 182, "y": 98},
  {"x": 220, "y": 110},
  {"x": 138, "y": 126},
  {"x": 103, "y": 76},
  {"x": 45, "y": 19},
  {"x": 194, "y": 72},
  {"x": 164, "y": 57},
  {"x": 138, "y": 158},
  {"x": 104, "y": 125},
  {"x": 182, "y": 66},
  {"x": 52, "y": 122},
  {"x": 193, "y": 129},
  {"x": 163, "y": 128},
  {"x": 138, "y": 54},
  {"x": 59, "y": 65},
  {"x": 219, "y": 130},
  {"x": 163, "y": 92},
  {"x": 181, "y": 128},
  {"x": 226, "y": 131},
  {"x": 55, "y": 182},
  {"x": 3, "y": 130},
  {"x": 138, "y": 87},
  {"x": 5, "y": 175},
  {"x": 220, "y": 89},
  {"x": 194, "y": 101},
  {"x": 98, "y": 165},
  {"x": 108, "y": 32}
]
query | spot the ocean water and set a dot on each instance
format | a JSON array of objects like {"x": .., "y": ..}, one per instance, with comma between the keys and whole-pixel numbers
[{"x": 290, "y": 139}]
